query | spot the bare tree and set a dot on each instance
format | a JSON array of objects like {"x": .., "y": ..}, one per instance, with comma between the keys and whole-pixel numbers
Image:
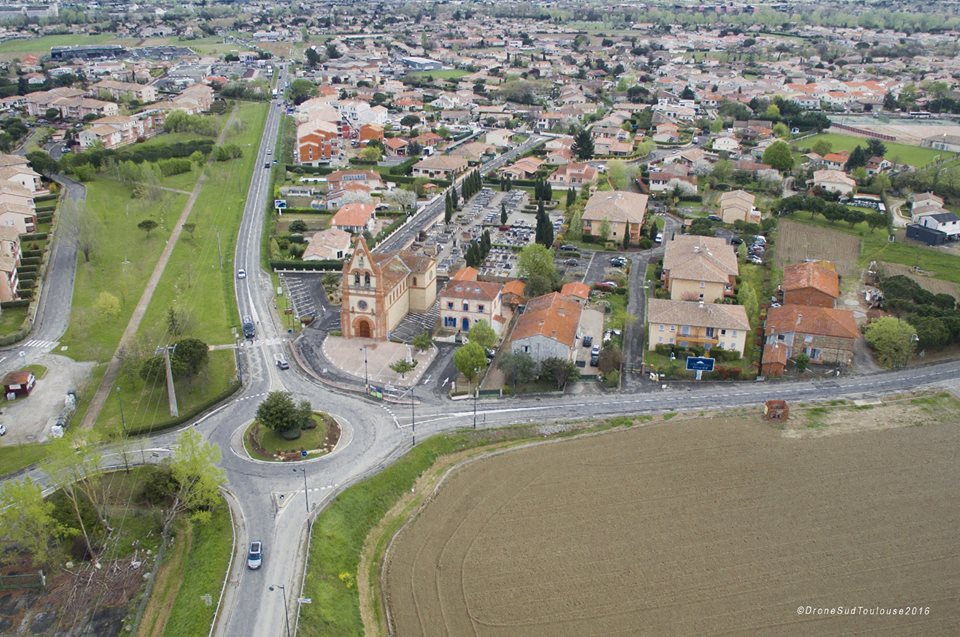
[{"x": 91, "y": 229}]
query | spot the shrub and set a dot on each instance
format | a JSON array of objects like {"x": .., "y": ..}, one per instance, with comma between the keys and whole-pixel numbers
[{"x": 724, "y": 372}]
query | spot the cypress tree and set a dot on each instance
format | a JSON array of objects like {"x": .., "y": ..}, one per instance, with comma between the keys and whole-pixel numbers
[
  {"x": 448, "y": 209},
  {"x": 503, "y": 214},
  {"x": 571, "y": 196}
]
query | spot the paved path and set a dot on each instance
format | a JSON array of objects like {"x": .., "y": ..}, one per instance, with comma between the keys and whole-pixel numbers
[{"x": 113, "y": 369}]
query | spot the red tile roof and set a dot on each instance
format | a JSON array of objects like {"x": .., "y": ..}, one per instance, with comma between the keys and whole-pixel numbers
[
  {"x": 819, "y": 275},
  {"x": 808, "y": 319}
]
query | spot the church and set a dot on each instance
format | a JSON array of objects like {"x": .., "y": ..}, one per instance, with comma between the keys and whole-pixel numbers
[{"x": 380, "y": 289}]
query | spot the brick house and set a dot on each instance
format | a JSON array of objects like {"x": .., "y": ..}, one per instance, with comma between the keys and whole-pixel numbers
[
  {"x": 699, "y": 268},
  {"x": 465, "y": 301},
  {"x": 826, "y": 335},
  {"x": 811, "y": 283},
  {"x": 695, "y": 323},
  {"x": 623, "y": 212},
  {"x": 547, "y": 328}
]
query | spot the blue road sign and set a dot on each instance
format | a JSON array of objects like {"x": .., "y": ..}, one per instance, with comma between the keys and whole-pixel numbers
[
  {"x": 700, "y": 364},
  {"x": 303, "y": 453}
]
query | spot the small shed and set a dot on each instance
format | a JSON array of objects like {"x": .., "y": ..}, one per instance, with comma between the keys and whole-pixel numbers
[
  {"x": 18, "y": 384},
  {"x": 930, "y": 236},
  {"x": 774, "y": 359},
  {"x": 776, "y": 410}
]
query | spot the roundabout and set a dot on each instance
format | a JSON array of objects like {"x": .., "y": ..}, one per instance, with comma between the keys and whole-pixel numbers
[{"x": 316, "y": 441}]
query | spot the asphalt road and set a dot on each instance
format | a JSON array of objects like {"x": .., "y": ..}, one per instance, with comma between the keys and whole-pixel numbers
[{"x": 430, "y": 214}]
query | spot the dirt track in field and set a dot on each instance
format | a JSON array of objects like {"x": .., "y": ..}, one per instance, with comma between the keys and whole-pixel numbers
[{"x": 689, "y": 527}]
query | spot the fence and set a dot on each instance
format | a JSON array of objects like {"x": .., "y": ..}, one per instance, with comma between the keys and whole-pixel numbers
[
  {"x": 24, "y": 580},
  {"x": 862, "y": 132}
]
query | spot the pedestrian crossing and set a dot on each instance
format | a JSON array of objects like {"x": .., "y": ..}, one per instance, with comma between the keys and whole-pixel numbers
[{"x": 37, "y": 343}]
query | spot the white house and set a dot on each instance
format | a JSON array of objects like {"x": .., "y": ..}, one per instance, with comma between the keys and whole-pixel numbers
[{"x": 945, "y": 222}]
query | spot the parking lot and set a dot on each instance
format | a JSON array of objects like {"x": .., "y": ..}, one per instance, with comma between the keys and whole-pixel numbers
[
  {"x": 601, "y": 269},
  {"x": 305, "y": 291}
]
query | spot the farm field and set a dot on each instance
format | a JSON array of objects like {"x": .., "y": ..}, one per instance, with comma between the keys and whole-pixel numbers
[
  {"x": 41, "y": 46},
  {"x": 936, "y": 286},
  {"x": 799, "y": 241},
  {"x": 721, "y": 525},
  {"x": 442, "y": 74},
  {"x": 913, "y": 155}
]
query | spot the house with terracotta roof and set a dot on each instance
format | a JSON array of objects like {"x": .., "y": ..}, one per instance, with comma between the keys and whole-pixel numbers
[
  {"x": 525, "y": 168},
  {"x": 355, "y": 218},
  {"x": 738, "y": 205},
  {"x": 825, "y": 335},
  {"x": 379, "y": 290},
  {"x": 699, "y": 268},
  {"x": 619, "y": 211},
  {"x": 833, "y": 181},
  {"x": 341, "y": 179},
  {"x": 513, "y": 293},
  {"x": 396, "y": 146},
  {"x": 318, "y": 143},
  {"x": 328, "y": 245},
  {"x": 547, "y": 328},
  {"x": 576, "y": 290},
  {"x": 811, "y": 283},
  {"x": 466, "y": 300},
  {"x": 836, "y": 161},
  {"x": 573, "y": 175},
  {"x": 440, "y": 167},
  {"x": 697, "y": 324}
]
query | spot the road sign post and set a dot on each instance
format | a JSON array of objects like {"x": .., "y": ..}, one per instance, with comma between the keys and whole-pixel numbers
[
  {"x": 280, "y": 205},
  {"x": 700, "y": 364}
]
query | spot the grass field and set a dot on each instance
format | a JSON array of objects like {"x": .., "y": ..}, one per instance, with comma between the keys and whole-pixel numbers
[
  {"x": 41, "y": 46},
  {"x": 120, "y": 264},
  {"x": 192, "y": 280},
  {"x": 16, "y": 458},
  {"x": 874, "y": 246},
  {"x": 442, "y": 74},
  {"x": 913, "y": 155},
  {"x": 713, "y": 525},
  {"x": 11, "y": 319},
  {"x": 207, "y": 560},
  {"x": 311, "y": 440}
]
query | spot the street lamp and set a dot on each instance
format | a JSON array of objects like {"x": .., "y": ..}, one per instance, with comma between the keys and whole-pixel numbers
[
  {"x": 305, "y": 496},
  {"x": 476, "y": 392},
  {"x": 123, "y": 420},
  {"x": 286, "y": 617},
  {"x": 413, "y": 416},
  {"x": 366, "y": 381}
]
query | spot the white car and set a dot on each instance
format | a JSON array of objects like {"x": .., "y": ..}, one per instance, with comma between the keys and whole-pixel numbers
[
  {"x": 255, "y": 556},
  {"x": 3, "y": 430},
  {"x": 241, "y": 273}
]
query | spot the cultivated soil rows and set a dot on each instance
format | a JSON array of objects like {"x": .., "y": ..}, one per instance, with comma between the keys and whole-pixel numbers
[
  {"x": 799, "y": 241},
  {"x": 690, "y": 527}
]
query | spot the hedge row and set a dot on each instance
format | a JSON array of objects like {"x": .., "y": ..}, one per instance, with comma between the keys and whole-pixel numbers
[
  {"x": 290, "y": 264},
  {"x": 18, "y": 303},
  {"x": 17, "y": 336},
  {"x": 44, "y": 217},
  {"x": 31, "y": 260},
  {"x": 33, "y": 236},
  {"x": 182, "y": 418}
]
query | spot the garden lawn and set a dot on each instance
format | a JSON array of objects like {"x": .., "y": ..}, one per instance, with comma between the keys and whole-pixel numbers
[
  {"x": 94, "y": 335},
  {"x": 16, "y": 457},
  {"x": 207, "y": 567},
  {"x": 442, "y": 74},
  {"x": 913, "y": 155},
  {"x": 192, "y": 281},
  {"x": 11, "y": 319}
]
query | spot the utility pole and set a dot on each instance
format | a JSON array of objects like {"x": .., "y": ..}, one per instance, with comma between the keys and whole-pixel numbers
[
  {"x": 123, "y": 421},
  {"x": 305, "y": 496},
  {"x": 171, "y": 389},
  {"x": 366, "y": 380},
  {"x": 476, "y": 392},
  {"x": 413, "y": 416}
]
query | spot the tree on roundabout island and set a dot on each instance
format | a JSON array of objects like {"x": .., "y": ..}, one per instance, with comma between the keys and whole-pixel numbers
[{"x": 280, "y": 413}]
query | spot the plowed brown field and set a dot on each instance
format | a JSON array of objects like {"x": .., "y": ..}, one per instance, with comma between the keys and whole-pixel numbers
[{"x": 689, "y": 527}]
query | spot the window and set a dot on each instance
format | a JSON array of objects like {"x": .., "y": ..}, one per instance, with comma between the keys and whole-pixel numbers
[
  {"x": 526, "y": 349},
  {"x": 702, "y": 285},
  {"x": 661, "y": 329},
  {"x": 807, "y": 339},
  {"x": 733, "y": 333},
  {"x": 723, "y": 332},
  {"x": 660, "y": 339},
  {"x": 414, "y": 280},
  {"x": 449, "y": 321},
  {"x": 673, "y": 328},
  {"x": 480, "y": 308},
  {"x": 466, "y": 307},
  {"x": 366, "y": 279},
  {"x": 711, "y": 331},
  {"x": 815, "y": 353},
  {"x": 449, "y": 305},
  {"x": 356, "y": 279}
]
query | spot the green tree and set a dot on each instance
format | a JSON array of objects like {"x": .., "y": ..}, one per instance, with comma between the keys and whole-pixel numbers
[
  {"x": 403, "y": 366},
  {"x": 571, "y": 196},
  {"x": 821, "y": 147},
  {"x": 76, "y": 472},
  {"x": 583, "y": 144},
  {"x": 198, "y": 478},
  {"x": 409, "y": 121},
  {"x": 893, "y": 341},
  {"x": 278, "y": 412},
  {"x": 148, "y": 226},
  {"x": 297, "y": 226},
  {"x": 301, "y": 90},
  {"x": 559, "y": 371},
  {"x": 470, "y": 360},
  {"x": 27, "y": 520},
  {"x": 802, "y": 361},
  {"x": 772, "y": 112},
  {"x": 370, "y": 153},
  {"x": 423, "y": 341},
  {"x": 107, "y": 305},
  {"x": 483, "y": 335},
  {"x": 778, "y": 156},
  {"x": 190, "y": 355},
  {"x": 535, "y": 264},
  {"x": 43, "y": 163},
  {"x": 876, "y": 220},
  {"x": 747, "y": 297},
  {"x": 605, "y": 229},
  {"x": 503, "y": 214},
  {"x": 518, "y": 368},
  {"x": 610, "y": 358},
  {"x": 781, "y": 130}
]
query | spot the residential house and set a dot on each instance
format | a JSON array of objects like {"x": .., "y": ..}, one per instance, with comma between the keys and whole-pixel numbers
[
  {"x": 811, "y": 283},
  {"x": 474, "y": 152},
  {"x": 547, "y": 328},
  {"x": 9, "y": 279},
  {"x": 395, "y": 146},
  {"x": 513, "y": 293},
  {"x": 24, "y": 176},
  {"x": 666, "y": 133},
  {"x": 370, "y": 132},
  {"x": 574, "y": 175},
  {"x": 341, "y": 179},
  {"x": 946, "y": 222},
  {"x": 697, "y": 324},
  {"x": 699, "y": 268},
  {"x": 379, "y": 290},
  {"x": 318, "y": 143},
  {"x": 121, "y": 130},
  {"x": 465, "y": 300},
  {"x": 328, "y": 245},
  {"x": 738, "y": 205},
  {"x": 144, "y": 93},
  {"x": 17, "y": 216},
  {"x": 618, "y": 212},
  {"x": 876, "y": 165},
  {"x": 945, "y": 142},
  {"x": 355, "y": 218},
  {"x": 825, "y": 335},
  {"x": 833, "y": 181},
  {"x": 835, "y": 161},
  {"x": 525, "y": 168},
  {"x": 667, "y": 181},
  {"x": 70, "y": 102},
  {"x": 576, "y": 290},
  {"x": 440, "y": 167},
  {"x": 727, "y": 144}
]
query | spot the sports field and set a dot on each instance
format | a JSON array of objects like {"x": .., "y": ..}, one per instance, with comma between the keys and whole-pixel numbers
[
  {"x": 693, "y": 527},
  {"x": 901, "y": 153}
]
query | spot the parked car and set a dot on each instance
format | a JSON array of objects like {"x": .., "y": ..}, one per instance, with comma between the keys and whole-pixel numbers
[
  {"x": 760, "y": 239},
  {"x": 282, "y": 363},
  {"x": 618, "y": 262},
  {"x": 587, "y": 340},
  {"x": 255, "y": 556},
  {"x": 571, "y": 262},
  {"x": 714, "y": 218},
  {"x": 567, "y": 247},
  {"x": 595, "y": 355},
  {"x": 736, "y": 241},
  {"x": 3, "y": 430},
  {"x": 659, "y": 238}
]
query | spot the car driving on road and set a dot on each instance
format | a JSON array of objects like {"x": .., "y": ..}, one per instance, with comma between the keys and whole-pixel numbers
[{"x": 255, "y": 556}]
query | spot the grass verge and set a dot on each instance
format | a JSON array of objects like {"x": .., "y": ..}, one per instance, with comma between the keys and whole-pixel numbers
[
  {"x": 200, "y": 584},
  {"x": 18, "y": 457},
  {"x": 168, "y": 582},
  {"x": 265, "y": 444}
]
